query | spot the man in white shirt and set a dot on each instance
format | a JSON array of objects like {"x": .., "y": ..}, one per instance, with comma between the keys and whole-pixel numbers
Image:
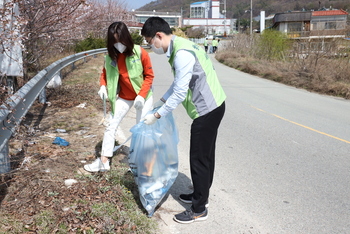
[{"x": 197, "y": 87}]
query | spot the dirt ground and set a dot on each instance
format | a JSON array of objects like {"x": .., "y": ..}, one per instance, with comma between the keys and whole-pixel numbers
[{"x": 36, "y": 187}]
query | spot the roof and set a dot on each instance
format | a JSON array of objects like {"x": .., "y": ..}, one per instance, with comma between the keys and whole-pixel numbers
[
  {"x": 133, "y": 24},
  {"x": 195, "y": 3},
  {"x": 329, "y": 12},
  {"x": 292, "y": 16}
]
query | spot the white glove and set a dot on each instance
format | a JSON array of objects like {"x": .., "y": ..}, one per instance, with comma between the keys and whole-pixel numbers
[
  {"x": 139, "y": 102},
  {"x": 158, "y": 104},
  {"x": 103, "y": 92},
  {"x": 150, "y": 119}
]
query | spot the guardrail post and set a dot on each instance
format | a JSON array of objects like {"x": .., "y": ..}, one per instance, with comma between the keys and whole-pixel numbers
[
  {"x": 11, "y": 84},
  {"x": 4, "y": 160},
  {"x": 42, "y": 96}
]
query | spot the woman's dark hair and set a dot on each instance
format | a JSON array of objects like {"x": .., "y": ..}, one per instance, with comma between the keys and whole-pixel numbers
[
  {"x": 119, "y": 32},
  {"x": 154, "y": 25}
]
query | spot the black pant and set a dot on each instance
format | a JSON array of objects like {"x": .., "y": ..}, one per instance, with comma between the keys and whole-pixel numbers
[{"x": 204, "y": 130}]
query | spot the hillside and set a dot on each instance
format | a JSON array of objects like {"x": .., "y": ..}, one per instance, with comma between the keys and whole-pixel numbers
[{"x": 236, "y": 9}]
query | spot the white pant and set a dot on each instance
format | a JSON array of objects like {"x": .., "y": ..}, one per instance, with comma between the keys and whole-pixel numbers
[{"x": 122, "y": 107}]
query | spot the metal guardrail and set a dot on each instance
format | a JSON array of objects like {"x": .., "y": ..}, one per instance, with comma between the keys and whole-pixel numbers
[{"x": 16, "y": 106}]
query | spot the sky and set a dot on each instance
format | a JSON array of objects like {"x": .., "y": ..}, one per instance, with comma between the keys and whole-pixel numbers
[{"x": 134, "y": 4}]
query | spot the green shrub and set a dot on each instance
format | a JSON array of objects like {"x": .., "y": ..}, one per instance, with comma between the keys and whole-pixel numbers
[
  {"x": 90, "y": 43},
  {"x": 137, "y": 38},
  {"x": 272, "y": 45}
]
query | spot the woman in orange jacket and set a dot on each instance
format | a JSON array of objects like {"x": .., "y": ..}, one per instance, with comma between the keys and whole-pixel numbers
[{"x": 126, "y": 80}]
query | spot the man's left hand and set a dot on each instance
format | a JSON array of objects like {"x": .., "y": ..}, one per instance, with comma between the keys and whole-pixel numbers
[{"x": 150, "y": 119}]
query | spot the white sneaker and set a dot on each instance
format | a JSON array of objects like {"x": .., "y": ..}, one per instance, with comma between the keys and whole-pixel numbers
[{"x": 97, "y": 166}]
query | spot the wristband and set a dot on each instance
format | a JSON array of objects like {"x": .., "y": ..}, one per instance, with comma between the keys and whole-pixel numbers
[{"x": 157, "y": 115}]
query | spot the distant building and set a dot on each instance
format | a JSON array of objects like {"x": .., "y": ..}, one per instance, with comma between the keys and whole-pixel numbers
[
  {"x": 312, "y": 24},
  {"x": 313, "y": 30},
  {"x": 202, "y": 14},
  {"x": 174, "y": 19},
  {"x": 207, "y": 15}
]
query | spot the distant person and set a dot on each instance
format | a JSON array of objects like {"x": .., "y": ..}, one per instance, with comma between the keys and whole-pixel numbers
[
  {"x": 206, "y": 45},
  {"x": 197, "y": 87},
  {"x": 214, "y": 43},
  {"x": 126, "y": 80}
]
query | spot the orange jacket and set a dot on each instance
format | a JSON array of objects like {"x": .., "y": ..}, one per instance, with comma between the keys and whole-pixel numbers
[{"x": 126, "y": 91}]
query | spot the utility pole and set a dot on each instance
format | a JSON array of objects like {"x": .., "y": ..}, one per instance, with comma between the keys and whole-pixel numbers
[
  {"x": 251, "y": 17},
  {"x": 224, "y": 13},
  {"x": 225, "y": 18},
  {"x": 181, "y": 21},
  {"x": 207, "y": 10}
]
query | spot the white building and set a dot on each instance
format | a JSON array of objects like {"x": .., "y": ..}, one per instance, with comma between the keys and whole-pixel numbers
[
  {"x": 204, "y": 14},
  {"x": 173, "y": 18},
  {"x": 207, "y": 15}
]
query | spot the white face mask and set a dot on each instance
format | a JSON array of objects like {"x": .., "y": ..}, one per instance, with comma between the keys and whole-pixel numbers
[
  {"x": 157, "y": 50},
  {"x": 120, "y": 47}
]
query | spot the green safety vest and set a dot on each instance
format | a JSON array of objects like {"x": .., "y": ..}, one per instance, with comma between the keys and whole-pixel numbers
[
  {"x": 205, "y": 92},
  {"x": 135, "y": 72},
  {"x": 214, "y": 43}
]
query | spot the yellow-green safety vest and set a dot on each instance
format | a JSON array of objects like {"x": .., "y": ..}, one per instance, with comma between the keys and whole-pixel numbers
[
  {"x": 205, "y": 92},
  {"x": 135, "y": 72}
]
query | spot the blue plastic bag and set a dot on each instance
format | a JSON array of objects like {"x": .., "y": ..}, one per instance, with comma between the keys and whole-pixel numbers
[
  {"x": 60, "y": 141},
  {"x": 153, "y": 159}
]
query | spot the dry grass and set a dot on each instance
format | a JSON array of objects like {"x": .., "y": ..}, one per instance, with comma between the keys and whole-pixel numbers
[
  {"x": 318, "y": 73},
  {"x": 34, "y": 198}
]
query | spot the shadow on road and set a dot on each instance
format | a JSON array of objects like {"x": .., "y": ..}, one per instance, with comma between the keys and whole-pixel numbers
[{"x": 181, "y": 185}]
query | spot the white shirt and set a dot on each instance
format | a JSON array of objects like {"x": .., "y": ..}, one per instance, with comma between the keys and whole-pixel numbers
[{"x": 183, "y": 64}]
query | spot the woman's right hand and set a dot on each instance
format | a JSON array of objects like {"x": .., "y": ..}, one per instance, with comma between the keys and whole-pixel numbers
[{"x": 103, "y": 92}]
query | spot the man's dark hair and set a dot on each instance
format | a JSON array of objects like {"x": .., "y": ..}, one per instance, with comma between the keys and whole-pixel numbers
[
  {"x": 154, "y": 25},
  {"x": 119, "y": 32}
]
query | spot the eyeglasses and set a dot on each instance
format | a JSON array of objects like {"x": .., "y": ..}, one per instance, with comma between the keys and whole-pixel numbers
[{"x": 149, "y": 42}]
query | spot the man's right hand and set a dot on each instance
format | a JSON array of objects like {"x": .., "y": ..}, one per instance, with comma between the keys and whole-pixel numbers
[{"x": 103, "y": 92}]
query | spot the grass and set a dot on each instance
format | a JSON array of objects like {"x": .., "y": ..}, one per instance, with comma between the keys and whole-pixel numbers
[
  {"x": 44, "y": 221},
  {"x": 124, "y": 213},
  {"x": 319, "y": 73},
  {"x": 134, "y": 219},
  {"x": 8, "y": 223},
  {"x": 99, "y": 203}
]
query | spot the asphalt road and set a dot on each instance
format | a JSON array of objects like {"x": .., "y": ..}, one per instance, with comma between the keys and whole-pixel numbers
[{"x": 282, "y": 164}]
